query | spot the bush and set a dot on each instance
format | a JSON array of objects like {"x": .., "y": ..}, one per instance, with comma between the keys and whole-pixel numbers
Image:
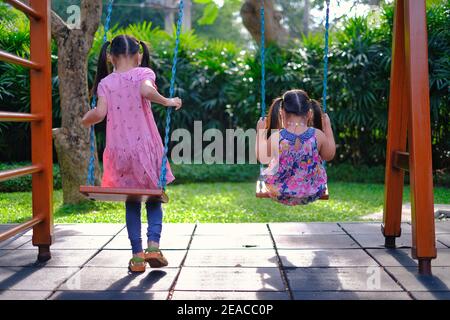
[
  {"x": 219, "y": 82},
  {"x": 360, "y": 174},
  {"x": 215, "y": 173}
]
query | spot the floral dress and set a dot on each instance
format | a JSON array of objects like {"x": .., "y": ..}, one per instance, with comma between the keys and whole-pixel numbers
[{"x": 297, "y": 175}]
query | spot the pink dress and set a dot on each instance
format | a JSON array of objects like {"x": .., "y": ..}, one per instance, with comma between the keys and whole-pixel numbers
[
  {"x": 298, "y": 175},
  {"x": 134, "y": 150}
]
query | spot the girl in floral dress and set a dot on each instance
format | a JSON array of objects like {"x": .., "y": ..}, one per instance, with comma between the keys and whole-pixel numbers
[{"x": 293, "y": 150}]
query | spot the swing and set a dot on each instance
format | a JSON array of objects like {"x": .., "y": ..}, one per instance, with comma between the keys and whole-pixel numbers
[
  {"x": 263, "y": 193},
  {"x": 127, "y": 194},
  {"x": 261, "y": 189}
]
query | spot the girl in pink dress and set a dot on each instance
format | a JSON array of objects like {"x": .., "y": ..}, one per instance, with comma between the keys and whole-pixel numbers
[
  {"x": 294, "y": 151},
  {"x": 134, "y": 150}
]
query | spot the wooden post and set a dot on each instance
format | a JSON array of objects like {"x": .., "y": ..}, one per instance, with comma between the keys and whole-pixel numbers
[
  {"x": 419, "y": 134},
  {"x": 397, "y": 131},
  {"x": 41, "y": 131},
  {"x": 409, "y": 116}
]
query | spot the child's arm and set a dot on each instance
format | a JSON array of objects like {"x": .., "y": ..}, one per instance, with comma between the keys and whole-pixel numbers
[
  {"x": 149, "y": 92},
  {"x": 95, "y": 115},
  {"x": 327, "y": 148},
  {"x": 264, "y": 145}
]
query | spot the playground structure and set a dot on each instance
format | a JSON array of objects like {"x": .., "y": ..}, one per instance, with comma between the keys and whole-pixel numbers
[
  {"x": 409, "y": 120},
  {"x": 41, "y": 126}
]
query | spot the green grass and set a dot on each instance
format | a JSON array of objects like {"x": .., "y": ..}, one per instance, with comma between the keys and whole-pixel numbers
[{"x": 220, "y": 202}]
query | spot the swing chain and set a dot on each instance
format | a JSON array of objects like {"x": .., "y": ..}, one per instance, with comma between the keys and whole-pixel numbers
[
  {"x": 325, "y": 56},
  {"x": 91, "y": 166},
  {"x": 263, "y": 62},
  {"x": 263, "y": 79},
  {"x": 163, "y": 179}
]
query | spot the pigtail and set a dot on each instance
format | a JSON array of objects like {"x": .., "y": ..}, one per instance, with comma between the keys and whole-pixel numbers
[
  {"x": 145, "y": 62},
  {"x": 102, "y": 67},
  {"x": 273, "y": 119},
  {"x": 317, "y": 114}
]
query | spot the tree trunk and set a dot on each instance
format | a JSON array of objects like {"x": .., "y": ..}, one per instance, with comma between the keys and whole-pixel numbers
[
  {"x": 72, "y": 139},
  {"x": 187, "y": 15},
  {"x": 306, "y": 17},
  {"x": 251, "y": 17}
]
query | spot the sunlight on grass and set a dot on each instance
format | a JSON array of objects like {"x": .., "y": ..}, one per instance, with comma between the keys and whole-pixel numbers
[{"x": 220, "y": 202}]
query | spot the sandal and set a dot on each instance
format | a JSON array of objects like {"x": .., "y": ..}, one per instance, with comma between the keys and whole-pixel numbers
[
  {"x": 155, "y": 258},
  {"x": 136, "y": 264}
]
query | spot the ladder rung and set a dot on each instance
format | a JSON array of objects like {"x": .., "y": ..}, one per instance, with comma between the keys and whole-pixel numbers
[
  {"x": 24, "y": 8},
  {"x": 20, "y": 228},
  {"x": 9, "y": 57},
  {"x": 15, "y": 173},
  {"x": 19, "y": 117}
]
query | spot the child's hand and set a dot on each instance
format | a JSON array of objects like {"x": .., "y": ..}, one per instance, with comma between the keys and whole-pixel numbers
[
  {"x": 261, "y": 124},
  {"x": 174, "y": 102},
  {"x": 326, "y": 123}
]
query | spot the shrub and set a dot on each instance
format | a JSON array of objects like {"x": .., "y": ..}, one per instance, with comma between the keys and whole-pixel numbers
[{"x": 219, "y": 82}]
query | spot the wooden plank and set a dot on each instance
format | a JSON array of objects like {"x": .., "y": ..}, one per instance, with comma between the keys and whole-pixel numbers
[
  {"x": 123, "y": 195},
  {"x": 262, "y": 193},
  {"x": 24, "y": 8},
  {"x": 419, "y": 134},
  {"x": 261, "y": 190},
  {"x": 19, "y": 117},
  {"x": 397, "y": 129},
  {"x": 19, "y": 172},
  {"x": 41, "y": 132},
  {"x": 11, "y": 58}
]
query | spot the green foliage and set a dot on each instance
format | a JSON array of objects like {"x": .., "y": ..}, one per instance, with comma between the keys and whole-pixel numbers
[
  {"x": 214, "y": 173},
  {"x": 210, "y": 13},
  {"x": 15, "y": 85},
  {"x": 219, "y": 82}
]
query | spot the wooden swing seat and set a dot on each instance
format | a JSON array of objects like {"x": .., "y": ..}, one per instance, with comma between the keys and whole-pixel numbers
[
  {"x": 261, "y": 191},
  {"x": 122, "y": 195}
]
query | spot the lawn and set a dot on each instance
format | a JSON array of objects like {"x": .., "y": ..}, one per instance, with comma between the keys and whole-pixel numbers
[{"x": 220, "y": 202}]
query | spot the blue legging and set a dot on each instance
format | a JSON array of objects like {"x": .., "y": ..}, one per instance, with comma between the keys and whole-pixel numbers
[{"x": 133, "y": 218}]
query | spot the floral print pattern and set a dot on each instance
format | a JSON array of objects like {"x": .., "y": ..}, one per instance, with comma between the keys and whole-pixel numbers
[{"x": 297, "y": 176}]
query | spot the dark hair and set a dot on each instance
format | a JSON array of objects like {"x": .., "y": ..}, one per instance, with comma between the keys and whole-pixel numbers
[
  {"x": 296, "y": 102},
  {"x": 273, "y": 118},
  {"x": 120, "y": 45},
  {"x": 317, "y": 114}
]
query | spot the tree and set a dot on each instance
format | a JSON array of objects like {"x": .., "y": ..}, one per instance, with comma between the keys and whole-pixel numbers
[
  {"x": 225, "y": 26},
  {"x": 296, "y": 16},
  {"x": 251, "y": 17},
  {"x": 71, "y": 139}
]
